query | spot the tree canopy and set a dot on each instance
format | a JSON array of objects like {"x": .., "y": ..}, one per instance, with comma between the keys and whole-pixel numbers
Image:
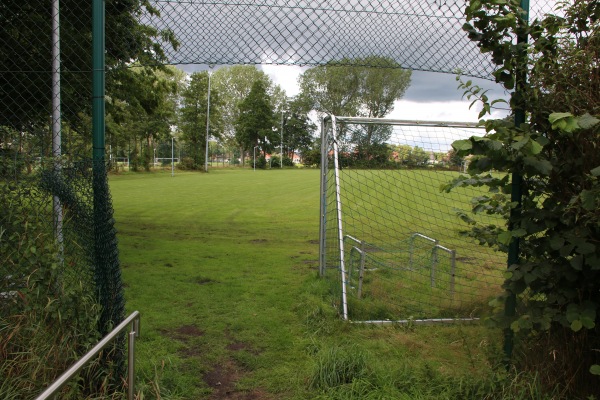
[
  {"x": 27, "y": 55},
  {"x": 254, "y": 126},
  {"x": 342, "y": 89}
]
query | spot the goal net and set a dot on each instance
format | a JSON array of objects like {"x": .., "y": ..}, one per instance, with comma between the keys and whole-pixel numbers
[{"x": 391, "y": 241}]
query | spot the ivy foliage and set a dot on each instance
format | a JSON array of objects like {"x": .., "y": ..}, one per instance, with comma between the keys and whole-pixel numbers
[{"x": 551, "y": 67}]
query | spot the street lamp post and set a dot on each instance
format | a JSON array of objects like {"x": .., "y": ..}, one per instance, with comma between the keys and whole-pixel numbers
[
  {"x": 254, "y": 154},
  {"x": 281, "y": 161},
  {"x": 207, "y": 120}
]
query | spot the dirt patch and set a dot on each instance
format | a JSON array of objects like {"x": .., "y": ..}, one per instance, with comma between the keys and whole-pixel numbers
[
  {"x": 169, "y": 265},
  {"x": 189, "y": 330},
  {"x": 313, "y": 241},
  {"x": 240, "y": 346},
  {"x": 202, "y": 280},
  {"x": 222, "y": 379},
  {"x": 184, "y": 333}
]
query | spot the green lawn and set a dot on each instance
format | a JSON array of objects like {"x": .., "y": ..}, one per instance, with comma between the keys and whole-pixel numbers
[{"x": 223, "y": 268}]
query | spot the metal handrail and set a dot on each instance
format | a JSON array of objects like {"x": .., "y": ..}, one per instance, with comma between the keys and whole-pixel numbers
[{"x": 134, "y": 321}]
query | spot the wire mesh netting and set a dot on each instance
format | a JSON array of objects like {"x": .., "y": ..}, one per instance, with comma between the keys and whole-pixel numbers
[
  {"x": 423, "y": 35},
  {"x": 394, "y": 241}
]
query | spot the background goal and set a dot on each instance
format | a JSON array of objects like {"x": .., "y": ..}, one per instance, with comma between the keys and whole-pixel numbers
[{"x": 392, "y": 243}]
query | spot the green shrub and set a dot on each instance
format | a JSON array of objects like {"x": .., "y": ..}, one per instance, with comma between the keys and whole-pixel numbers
[{"x": 49, "y": 314}]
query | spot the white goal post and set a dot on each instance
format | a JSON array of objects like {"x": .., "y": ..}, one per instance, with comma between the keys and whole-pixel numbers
[{"x": 394, "y": 239}]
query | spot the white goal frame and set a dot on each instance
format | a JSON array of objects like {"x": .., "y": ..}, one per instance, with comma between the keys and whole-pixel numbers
[{"x": 330, "y": 148}]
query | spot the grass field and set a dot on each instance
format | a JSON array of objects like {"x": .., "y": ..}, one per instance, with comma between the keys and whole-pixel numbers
[
  {"x": 224, "y": 270},
  {"x": 385, "y": 209}
]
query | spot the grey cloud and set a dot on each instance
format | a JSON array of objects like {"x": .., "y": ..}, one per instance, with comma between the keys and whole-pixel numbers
[{"x": 432, "y": 86}]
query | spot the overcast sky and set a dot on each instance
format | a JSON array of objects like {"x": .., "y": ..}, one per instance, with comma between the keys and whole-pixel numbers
[{"x": 431, "y": 96}]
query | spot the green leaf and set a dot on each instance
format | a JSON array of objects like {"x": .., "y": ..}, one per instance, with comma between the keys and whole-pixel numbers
[
  {"x": 515, "y": 327},
  {"x": 572, "y": 312},
  {"x": 565, "y": 122},
  {"x": 595, "y": 369},
  {"x": 519, "y": 232},
  {"x": 505, "y": 238},
  {"x": 576, "y": 325},
  {"x": 596, "y": 171},
  {"x": 536, "y": 148},
  {"x": 462, "y": 145},
  {"x": 585, "y": 248},
  {"x": 542, "y": 166},
  {"x": 554, "y": 117},
  {"x": 588, "y": 200},
  {"x": 520, "y": 144},
  {"x": 577, "y": 262},
  {"x": 556, "y": 242},
  {"x": 587, "y": 121}
]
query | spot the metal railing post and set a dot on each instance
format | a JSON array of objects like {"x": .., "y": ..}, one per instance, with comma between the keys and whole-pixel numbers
[{"x": 133, "y": 321}]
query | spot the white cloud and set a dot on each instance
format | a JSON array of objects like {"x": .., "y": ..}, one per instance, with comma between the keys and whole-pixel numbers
[
  {"x": 455, "y": 111},
  {"x": 285, "y": 76}
]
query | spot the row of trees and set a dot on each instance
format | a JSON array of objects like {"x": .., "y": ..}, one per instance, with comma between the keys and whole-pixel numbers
[
  {"x": 148, "y": 104},
  {"x": 247, "y": 110}
]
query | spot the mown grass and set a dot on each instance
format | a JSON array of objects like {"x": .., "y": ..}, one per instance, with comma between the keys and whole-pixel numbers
[
  {"x": 385, "y": 209},
  {"x": 223, "y": 268}
]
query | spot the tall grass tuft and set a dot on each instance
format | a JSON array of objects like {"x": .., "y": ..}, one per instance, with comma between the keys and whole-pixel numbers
[{"x": 337, "y": 366}]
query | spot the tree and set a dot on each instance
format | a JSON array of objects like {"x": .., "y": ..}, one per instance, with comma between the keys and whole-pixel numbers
[
  {"x": 340, "y": 88},
  {"x": 331, "y": 89},
  {"x": 553, "y": 158},
  {"x": 381, "y": 85},
  {"x": 234, "y": 84},
  {"x": 298, "y": 129},
  {"x": 254, "y": 126},
  {"x": 193, "y": 112},
  {"x": 141, "y": 110},
  {"x": 25, "y": 28}
]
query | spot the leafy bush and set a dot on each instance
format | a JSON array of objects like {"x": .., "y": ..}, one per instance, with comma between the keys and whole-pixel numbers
[
  {"x": 275, "y": 162},
  {"x": 49, "y": 317},
  {"x": 554, "y": 161}
]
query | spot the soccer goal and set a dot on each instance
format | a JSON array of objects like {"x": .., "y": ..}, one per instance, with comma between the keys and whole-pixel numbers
[{"x": 391, "y": 241}]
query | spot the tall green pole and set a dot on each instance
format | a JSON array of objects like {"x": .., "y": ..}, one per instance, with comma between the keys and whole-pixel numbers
[
  {"x": 107, "y": 270},
  {"x": 516, "y": 197},
  {"x": 98, "y": 62}
]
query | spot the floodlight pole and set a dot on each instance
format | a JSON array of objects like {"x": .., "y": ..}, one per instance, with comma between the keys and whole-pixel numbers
[
  {"x": 56, "y": 120},
  {"x": 281, "y": 161},
  {"x": 207, "y": 119}
]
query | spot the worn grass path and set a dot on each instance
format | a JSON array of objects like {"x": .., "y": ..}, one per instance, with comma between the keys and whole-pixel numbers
[{"x": 216, "y": 264}]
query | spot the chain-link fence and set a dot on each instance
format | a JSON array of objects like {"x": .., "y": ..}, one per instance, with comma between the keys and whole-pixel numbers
[{"x": 48, "y": 123}]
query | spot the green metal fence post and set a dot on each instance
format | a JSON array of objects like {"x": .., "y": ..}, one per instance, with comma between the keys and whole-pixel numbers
[
  {"x": 98, "y": 84},
  {"x": 516, "y": 197}
]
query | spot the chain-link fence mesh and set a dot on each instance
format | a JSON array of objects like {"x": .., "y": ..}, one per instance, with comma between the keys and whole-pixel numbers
[
  {"x": 46, "y": 96},
  {"x": 422, "y": 35}
]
